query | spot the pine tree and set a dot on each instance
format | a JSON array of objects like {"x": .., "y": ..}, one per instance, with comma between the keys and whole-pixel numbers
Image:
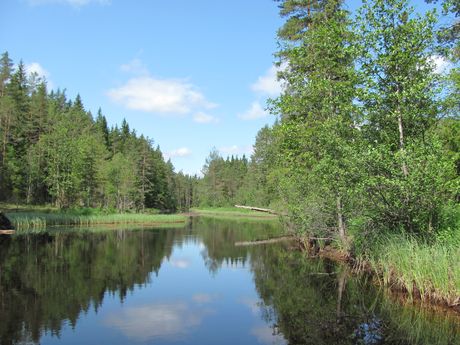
[{"x": 6, "y": 69}]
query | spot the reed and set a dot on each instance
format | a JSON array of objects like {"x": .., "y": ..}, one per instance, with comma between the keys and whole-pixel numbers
[
  {"x": 430, "y": 271},
  {"x": 39, "y": 220}
]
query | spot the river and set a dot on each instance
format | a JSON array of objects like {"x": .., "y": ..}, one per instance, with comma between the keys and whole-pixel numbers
[{"x": 194, "y": 286}]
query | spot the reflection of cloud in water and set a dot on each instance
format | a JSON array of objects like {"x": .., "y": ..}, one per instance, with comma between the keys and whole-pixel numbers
[
  {"x": 265, "y": 334},
  {"x": 180, "y": 263},
  {"x": 203, "y": 298},
  {"x": 251, "y": 303},
  {"x": 156, "y": 321}
]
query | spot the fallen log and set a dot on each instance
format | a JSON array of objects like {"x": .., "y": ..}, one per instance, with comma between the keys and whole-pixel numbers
[
  {"x": 7, "y": 232},
  {"x": 258, "y": 209},
  {"x": 271, "y": 240}
]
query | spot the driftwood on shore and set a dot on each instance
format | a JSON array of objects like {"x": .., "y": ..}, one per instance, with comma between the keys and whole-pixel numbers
[
  {"x": 258, "y": 209},
  {"x": 271, "y": 240}
]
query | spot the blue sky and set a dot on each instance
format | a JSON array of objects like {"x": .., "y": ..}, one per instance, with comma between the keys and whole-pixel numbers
[{"x": 191, "y": 75}]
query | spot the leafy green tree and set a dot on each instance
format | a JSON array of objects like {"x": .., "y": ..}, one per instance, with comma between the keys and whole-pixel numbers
[{"x": 407, "y": 174}]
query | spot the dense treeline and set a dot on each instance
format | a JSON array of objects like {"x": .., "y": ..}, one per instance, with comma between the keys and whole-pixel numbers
[
  {"x": 55, "y": 151},
  {"x": 237, "y": 180},
  {"x": 367, "y": 135}
]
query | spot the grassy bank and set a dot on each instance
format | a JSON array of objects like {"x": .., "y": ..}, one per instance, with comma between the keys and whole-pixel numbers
[
  {"x": 233, "y": 213},
  {"x": 430, "y": 271},
  {"x": 33, "y": 220},
  {"x": 38, "y": 218}
]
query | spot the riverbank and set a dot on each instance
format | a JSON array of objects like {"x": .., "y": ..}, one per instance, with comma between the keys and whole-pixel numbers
[
  {"x": 426, "y": 271},
  {"x": 233, "y": 213},
  {"x": 429, "y": 272},
  {"x": 36, "y": 219},
  {"x": 25, "y": 218}
]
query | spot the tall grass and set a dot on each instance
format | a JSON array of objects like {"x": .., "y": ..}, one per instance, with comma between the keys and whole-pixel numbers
[
  {"x": 430, "y": 271},
  {"x": 39, "y": 220}
]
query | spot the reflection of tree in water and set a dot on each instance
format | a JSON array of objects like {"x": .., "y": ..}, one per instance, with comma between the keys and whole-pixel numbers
[
  {"x": 47, "y": 279},
  {"x": 219, "y": 237},
  {"x": 316, "y": 302}
]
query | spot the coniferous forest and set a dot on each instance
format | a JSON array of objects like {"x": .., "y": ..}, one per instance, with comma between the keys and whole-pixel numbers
[{"x": 54, "y": 151}]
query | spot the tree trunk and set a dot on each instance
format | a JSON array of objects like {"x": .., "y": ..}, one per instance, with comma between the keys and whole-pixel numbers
[
  {"x": 5, "y": 138},
  {"x": 401, "y": 135},
  {"x": 401, "y": 144},
  {"x": 340, "y": 221}
]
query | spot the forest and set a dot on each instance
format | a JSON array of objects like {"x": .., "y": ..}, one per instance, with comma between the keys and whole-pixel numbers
[{"x": 54, "y": 151}]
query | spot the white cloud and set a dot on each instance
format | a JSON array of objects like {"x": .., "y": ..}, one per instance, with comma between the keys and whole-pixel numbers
[
  {"x": 180, "y": 152},
  {"x": 159, "y": 96},
  {"x": 155, "y": 321},
  {"x": 35, "y": 67},
  {"x": 202, "y": 117},
  {"x": 268, "y": 84},
  {"x": 135, "y": 66},
  {"x": 254, "y": 112},
  {"x": 236, "y": 150},
  {"x": 441, "y": 65},
  {"x": 73, "y": 3},
  {"x": 181, "y": 263}
]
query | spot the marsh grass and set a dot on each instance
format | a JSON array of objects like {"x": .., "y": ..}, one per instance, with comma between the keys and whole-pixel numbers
[
  {"x": 24, "y": 221},
  {"x": 430, "y": 271}
]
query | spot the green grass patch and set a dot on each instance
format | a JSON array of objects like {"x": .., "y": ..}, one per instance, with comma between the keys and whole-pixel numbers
[
  {"x": 430, "y": 270},
  {"x": 26, "y": 221},
  {"x": 233, "y": 213}
]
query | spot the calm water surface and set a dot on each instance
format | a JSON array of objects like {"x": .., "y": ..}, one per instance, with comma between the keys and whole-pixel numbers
[{"x": 194, "y": 286}]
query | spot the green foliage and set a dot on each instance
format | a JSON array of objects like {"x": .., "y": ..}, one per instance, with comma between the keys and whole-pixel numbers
[{"x": 222, "y": 180}]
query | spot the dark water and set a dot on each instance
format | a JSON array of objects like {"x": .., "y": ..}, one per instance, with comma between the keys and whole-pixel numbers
[{"x": 193, "y": 286}]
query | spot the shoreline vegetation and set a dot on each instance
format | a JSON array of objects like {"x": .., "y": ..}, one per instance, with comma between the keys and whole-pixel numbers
[
  {"x": 40, "y": 218},
  {"x": 26, "y": 219},
  {"x": 428, "y": 272}
]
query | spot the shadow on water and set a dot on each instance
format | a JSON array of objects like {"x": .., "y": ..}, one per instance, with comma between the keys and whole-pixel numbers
[
  {"x": 320, "y": 302},
  {"x": 52, "y": 280}
]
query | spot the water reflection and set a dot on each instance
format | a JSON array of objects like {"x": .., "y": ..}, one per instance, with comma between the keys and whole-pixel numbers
[
  {"x": 267, "y": 335},
  {"x": 172, "y": 321},
  {"x": 321, "y": 303},
  {"x": 194, "y": 286}
]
